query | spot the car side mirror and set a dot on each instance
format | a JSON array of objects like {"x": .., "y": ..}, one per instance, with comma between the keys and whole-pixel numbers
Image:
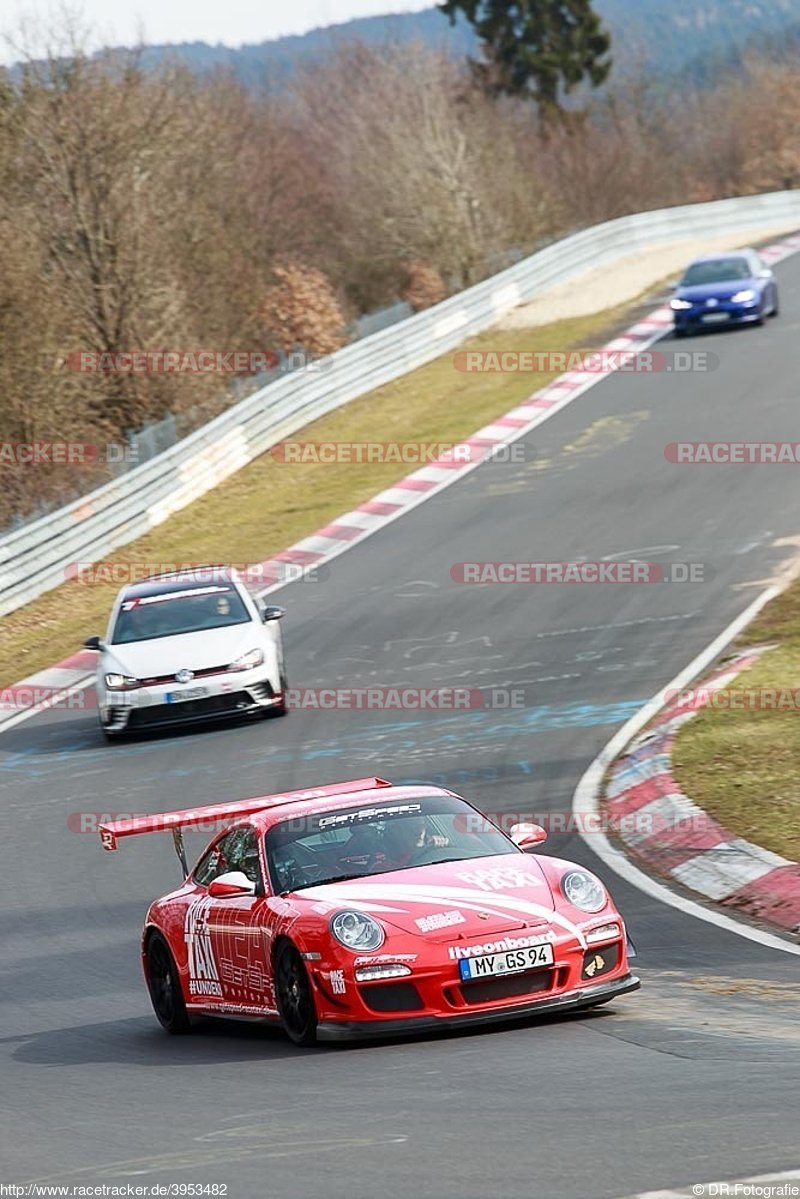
[
  {"x": 527, "y": 836},
  {"x": 232, "y": 883},
  {"x": 272, "y": 612},
  {"x": 765, "y": 274},
  {"x": 93, "y": 643}
]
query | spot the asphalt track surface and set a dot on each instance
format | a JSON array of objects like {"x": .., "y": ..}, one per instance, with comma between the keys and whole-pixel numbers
[{"x": 695, "y": 1077}]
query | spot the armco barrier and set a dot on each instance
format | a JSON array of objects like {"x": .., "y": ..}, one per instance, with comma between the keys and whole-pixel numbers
[{"x": 33, "y": 559}]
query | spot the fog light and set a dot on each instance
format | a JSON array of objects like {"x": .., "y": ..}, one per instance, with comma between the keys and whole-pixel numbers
[
  {"x": 606, "y": 932},
  {"x": 366, "y": 974}
]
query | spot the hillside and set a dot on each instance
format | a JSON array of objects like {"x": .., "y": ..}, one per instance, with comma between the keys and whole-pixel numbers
[{"x": 697, "y": 38}]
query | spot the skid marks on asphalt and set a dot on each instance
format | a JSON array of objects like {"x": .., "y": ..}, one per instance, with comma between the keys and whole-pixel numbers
[
  {"x": 606, "y": 434},
  {"x": 452, "y": 659},
  {"x": 237, "y": 1143},
  {"x": 711, "y": 1016}
]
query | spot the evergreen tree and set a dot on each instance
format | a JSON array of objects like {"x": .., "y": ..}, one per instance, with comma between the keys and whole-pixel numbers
[{"x": 540, "y": 49}]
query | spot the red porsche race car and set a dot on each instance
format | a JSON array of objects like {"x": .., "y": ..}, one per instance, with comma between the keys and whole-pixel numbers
[{"x": 365, "y": 909}]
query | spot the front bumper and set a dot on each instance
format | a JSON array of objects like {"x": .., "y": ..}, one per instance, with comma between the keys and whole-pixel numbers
[
  {"x": 734, "y": 314},
  {"x": 581, "y": 999},
  {"x": 225, "y": 696}
]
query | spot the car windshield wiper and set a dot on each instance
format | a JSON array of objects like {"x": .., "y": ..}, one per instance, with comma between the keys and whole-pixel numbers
[
  {"x": 443, "y": 861},
  {"x": 324, "y": 882}
]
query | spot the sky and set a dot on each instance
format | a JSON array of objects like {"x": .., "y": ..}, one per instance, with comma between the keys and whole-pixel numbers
[{"x": 124, "y": 22}]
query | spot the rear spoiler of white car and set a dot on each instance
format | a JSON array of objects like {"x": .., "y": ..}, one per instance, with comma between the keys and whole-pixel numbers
[{"x": 204, "y": 819}]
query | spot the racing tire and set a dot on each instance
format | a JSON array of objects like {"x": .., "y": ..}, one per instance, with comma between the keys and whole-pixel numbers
[
  {"x": 164, "y": 986},
  {"x": 294, "y": 996},
  {"x": 678, "y": 333},
  {"x": 281, "y": 709}
]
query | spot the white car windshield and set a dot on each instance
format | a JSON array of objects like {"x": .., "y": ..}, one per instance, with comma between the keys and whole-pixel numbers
[{"x": 168, "y": 613}]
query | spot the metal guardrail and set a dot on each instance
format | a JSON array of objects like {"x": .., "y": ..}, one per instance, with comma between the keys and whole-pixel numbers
[{"x": 34, "y": 559}]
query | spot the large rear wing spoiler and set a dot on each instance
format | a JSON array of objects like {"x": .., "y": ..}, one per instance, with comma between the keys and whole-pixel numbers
[{"x": 201, "y": 819}]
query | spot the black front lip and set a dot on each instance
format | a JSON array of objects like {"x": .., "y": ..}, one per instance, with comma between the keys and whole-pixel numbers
[
  {"x": 586, "y": 997},
  {"x": 174, "y": 722},
  {"x": 733, "y": 314}
]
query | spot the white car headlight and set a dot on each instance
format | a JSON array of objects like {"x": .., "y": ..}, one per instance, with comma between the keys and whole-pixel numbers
[
  {"x": 742, "y": 297},
  {"x": 679, "y": 305},
  {"x": 121, "y": 682},
  {"x": 248, "y": 661},
  {"x": 584, "y": 891},
  {"x": 356, "y": 931}
]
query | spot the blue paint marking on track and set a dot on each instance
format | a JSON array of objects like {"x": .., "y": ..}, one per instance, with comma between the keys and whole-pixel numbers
[{"x": 433, "y": 733}]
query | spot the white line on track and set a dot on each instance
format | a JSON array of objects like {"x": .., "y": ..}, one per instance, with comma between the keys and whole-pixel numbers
[{"x": 768, "y": 1184}]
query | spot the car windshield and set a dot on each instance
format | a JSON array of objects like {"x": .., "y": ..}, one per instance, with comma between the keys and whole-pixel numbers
[
  {"x": 180, "y": 610},
  {"x": 720, "y": 270},
  {"x": 329, "y": 847}
]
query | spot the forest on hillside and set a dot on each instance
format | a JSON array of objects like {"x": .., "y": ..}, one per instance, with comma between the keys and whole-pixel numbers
[{"x": 147, "y": 208}]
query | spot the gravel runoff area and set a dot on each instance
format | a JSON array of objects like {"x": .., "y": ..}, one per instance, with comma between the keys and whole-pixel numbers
[{"x": 616, "y": 283}]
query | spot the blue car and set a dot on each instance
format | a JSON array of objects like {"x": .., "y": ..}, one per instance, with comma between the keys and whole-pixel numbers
[{"x": 724, "y": 289}]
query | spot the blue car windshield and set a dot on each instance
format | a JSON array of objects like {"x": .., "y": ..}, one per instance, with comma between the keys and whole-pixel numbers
[{"x": 721, "y": 270}]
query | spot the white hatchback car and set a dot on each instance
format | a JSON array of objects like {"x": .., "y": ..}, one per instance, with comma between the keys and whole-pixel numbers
[{"x": 187, "y": 647}]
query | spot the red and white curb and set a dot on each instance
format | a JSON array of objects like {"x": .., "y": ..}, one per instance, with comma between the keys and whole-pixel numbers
[
  {"x": 355, "y": 526},
  {"x": 673, "y": 836}
]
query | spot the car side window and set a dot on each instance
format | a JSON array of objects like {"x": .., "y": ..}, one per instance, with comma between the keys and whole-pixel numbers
[
  {"x": 241, "y": 850},
  {"x": 237, "y": 850},
  {"x": 211, "y": 864}
]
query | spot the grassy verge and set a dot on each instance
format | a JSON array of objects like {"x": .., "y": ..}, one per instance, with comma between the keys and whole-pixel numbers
[
  {"x": 269, "y": 505},
  {"x": 741, "y": 766}
]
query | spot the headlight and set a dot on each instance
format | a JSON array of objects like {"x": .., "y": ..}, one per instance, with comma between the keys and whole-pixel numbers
[
  {"x": 742, "y": 297},
  {"x": 356, "y": 931},
  {"x": 584, "y": 891},
  {"x": 253, "y": 657},
  {"x": 121, "y": 682},
  {"x": 679, "y": 305}
]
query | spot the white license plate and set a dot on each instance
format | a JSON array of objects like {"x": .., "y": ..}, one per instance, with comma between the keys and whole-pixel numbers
[
  {"x": 715, "y": 317},
  {"x": 179, "y": 697},
  {"x": 511, "y": 961}
]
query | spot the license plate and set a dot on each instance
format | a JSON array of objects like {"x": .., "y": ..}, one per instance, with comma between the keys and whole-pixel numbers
[
  {"x": 511, "y": 961},
  {"x": 178, "y": 697},
  {"x": 715, "y": 317}
]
